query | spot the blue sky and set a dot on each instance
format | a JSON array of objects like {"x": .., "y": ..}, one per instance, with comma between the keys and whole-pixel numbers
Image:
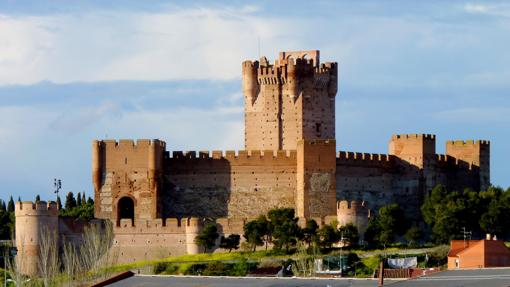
[{"x": 74, "y": 71}]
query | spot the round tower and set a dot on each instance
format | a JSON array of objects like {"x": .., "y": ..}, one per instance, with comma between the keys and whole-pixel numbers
[
  {"x": 354, "y": 212},
  {"x": 193, "y": 228},
  {"x": 31, "y": 220}
]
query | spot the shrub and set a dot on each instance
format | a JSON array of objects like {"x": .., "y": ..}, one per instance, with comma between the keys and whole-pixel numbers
[{"x": 216, "y": 269}]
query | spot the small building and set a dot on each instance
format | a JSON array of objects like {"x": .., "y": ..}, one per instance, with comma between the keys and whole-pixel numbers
[{"x": 478, "y": 254}]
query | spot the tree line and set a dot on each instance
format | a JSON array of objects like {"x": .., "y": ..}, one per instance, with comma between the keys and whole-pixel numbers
[
  {"x": 449, "y": 212},
  {"x": 279, "y": 227}
]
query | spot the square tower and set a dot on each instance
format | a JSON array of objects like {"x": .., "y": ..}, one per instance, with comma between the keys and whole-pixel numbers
[{"x": 288, "y": 101}]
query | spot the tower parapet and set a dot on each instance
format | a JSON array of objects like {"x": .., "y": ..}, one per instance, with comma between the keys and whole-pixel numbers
[{"x": 33, "y": 220}]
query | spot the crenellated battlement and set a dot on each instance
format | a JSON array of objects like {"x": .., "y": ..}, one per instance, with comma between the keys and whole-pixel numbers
[
  {"x": 467, "y": 142},
  {"x": 175, "y": 225},
  {"x": 40, "y": 208},
  {"x": 363, "y": 159},
  {"x": 232, "y": 155},
  {"x": 351, "y": 205},
  {"x": 123, "y": 143},
  {"x": 358, "y": 156},
  {"x": 414, "y": 136}
]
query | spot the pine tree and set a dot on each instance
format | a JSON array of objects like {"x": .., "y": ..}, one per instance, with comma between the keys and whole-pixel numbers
[
  {"x": 37, "y": 198},
  {"x": 90, "y": 201},
  {"x": 70, "y": 201},
  {"x": 10, "y": 205},
  {"x": 78, "y": 199}
]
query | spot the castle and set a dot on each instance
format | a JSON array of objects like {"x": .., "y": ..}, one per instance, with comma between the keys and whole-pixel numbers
[{"x": 158, "y": 200}]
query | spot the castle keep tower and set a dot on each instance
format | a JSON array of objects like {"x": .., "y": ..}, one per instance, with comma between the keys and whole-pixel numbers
[{"x": 290, "y": 100}]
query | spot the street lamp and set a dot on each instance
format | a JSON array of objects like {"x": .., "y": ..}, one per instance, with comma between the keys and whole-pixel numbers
[{"x": 57, "y": 183}]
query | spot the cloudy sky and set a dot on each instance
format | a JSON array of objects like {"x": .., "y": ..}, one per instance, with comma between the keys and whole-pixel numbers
[{"x": 74, "y": 71}]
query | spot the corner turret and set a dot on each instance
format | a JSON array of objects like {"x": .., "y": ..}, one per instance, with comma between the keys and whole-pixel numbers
[{"x": 33, "y": 220}]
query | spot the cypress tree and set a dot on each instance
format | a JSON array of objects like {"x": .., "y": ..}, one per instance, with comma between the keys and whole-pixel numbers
[
  {"x": 83, "y": 199},
  {"x": 3, "y": 207},
  {"x": 10, "y": 205},
  {"x": 78, "y": 199},
  {"x": 70, "y": 200},
  {"x": 37, "y": 198},
  {"x": 90, "y": 201}
]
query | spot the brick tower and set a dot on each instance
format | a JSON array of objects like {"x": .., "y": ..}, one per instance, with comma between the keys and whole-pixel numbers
[
  {"x": 290, "y": 100},
  {"x": 33, "y": 220}
]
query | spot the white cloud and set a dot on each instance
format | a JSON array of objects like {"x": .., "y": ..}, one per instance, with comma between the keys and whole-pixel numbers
[
  {"x": 500, "y": 9},
  {"x": 196, "y": 43},
  {"x": 475, "y": 115}
]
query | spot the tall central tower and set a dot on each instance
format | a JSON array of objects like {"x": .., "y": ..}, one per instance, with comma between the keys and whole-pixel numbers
[{"x": 290, "y": 100}]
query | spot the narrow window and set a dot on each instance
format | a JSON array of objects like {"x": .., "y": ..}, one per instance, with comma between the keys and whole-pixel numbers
[{"x": 318, "y": 128}]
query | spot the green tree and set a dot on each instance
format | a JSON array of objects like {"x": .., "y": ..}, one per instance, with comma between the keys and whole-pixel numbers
[
  {"x": 284, "y": 228},
  {"x": 413, "y": 235},
  {"x": 10, "y": 205},
  {"x": 78, "y": 199},
  {"x": 328, "y": 236},
  {"x": 448, "y": 212},
  {"x": 5, "y": 222},
  {"x": 349, "y": 235},
  {"x": 371, "y": 235},
  {"x": 392, "y": 222},
  {"x": 3, "y": 207},
  {"x": 495, "y": 219},
  {"x": 207, "y": 237},
  {"x": 70, "y": 201},
  {"x": 230, "y": 242},
  {"x": 265, "y": 227},
  {"x": 83, "y": 198},
  {"x": 254, "y": 231},
  {"x": 59, "y": 202},
  {"x": 90, "y": 201},
  {"x": 37, "y": 198},
  {"x": 310, "y": 232}
]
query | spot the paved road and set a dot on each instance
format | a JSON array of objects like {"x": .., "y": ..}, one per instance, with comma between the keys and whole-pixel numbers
[
  {"x": 467, "y": 278},
  {"x": 149, "y": 281},
  {"x": 456, "y": 278}
]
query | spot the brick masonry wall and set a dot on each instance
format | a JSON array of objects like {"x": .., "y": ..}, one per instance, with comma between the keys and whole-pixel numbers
[{"x": 240, "y": 186}]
